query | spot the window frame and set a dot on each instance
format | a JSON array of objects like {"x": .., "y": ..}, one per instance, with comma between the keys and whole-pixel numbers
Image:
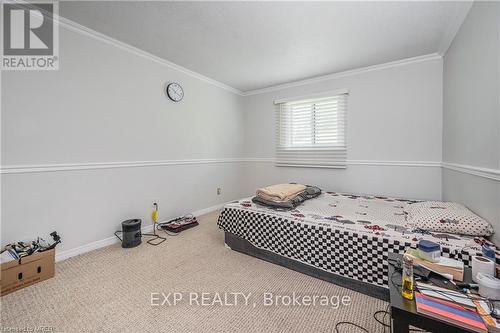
[{"x": 329, "y": 155}]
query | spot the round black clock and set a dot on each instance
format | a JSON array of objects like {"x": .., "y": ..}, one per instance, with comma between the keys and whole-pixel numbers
[{"x": 174, "y": 92}]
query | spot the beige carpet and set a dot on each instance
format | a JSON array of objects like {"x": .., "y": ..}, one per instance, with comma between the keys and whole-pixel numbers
[{"x": 109, "y": 290}]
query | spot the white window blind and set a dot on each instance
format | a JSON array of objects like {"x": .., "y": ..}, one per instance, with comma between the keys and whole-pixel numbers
[{"x": 312, "y": 132}]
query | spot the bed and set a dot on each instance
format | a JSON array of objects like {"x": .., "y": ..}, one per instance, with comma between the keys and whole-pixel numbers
[{"x": 339, "y": 237}]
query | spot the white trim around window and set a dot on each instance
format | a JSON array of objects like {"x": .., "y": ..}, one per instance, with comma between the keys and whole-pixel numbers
[{"x": 311, "y": 130}]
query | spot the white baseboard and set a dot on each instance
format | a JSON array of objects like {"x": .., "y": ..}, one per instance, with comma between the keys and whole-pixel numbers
[
  {"x": 60, "y": 256},
  {"x": 94, "y": 245},
  {"x": 208, "y": 210}
]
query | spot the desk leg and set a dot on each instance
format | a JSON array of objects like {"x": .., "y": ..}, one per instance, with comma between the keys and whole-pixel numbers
[{"x": 400, "y": 325}]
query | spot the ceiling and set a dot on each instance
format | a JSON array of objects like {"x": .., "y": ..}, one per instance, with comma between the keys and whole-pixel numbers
[{"x": 252, "y": 45}]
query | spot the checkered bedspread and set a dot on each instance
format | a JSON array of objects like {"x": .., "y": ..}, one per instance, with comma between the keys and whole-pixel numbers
[{"x": 340, "y": 233}]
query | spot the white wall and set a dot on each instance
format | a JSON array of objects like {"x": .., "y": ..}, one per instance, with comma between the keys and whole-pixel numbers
[
  {"x": 471, "y": 132},
  {"x": 106, "y": 104},
  {"x": 394, "y": 115}
]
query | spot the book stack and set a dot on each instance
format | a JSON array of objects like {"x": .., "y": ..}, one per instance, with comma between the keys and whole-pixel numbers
[
  {"x": 450, "y": 305},
  {"x": 484, "y": 310},
  {"x": 450, "y": 312},
  {"x": 453, "y": 268}
]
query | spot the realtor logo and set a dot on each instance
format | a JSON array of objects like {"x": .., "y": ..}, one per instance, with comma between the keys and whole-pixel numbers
[{"x": 30, "y": 35}]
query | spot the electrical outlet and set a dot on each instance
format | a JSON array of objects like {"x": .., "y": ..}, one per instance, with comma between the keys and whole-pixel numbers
[{"x": 219, "y": 190}]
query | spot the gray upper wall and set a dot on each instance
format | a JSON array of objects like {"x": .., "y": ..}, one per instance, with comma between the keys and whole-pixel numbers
[
  {"x": 394, "y": 133},
  {"x": 471, "y": 113},
  {"x": 471, "y": 90},
  {"x": 106, "y": 105}
]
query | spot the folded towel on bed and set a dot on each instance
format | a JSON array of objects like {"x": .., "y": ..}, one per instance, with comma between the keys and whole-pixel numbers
[
  {"x": 281, "y": 191},
  {"x": 309, "y": 192},
  {"x": 267, "y": 197},
  {"x": 280, "y": 205}
]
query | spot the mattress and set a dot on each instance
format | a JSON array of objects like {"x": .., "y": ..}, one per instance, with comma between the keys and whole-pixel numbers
[{"x": 341, "y": 233}]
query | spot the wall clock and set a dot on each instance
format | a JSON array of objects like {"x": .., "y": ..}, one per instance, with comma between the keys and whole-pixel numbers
[{"x": 174, "y": 92}]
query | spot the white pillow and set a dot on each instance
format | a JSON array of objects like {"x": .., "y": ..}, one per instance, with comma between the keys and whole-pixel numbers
[
  {"x": 438, "y": 205},
  {"x": 448, "y": 217}
]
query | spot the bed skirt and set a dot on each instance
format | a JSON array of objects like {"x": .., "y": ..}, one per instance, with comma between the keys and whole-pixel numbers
[{"x": 241, "y": 245}]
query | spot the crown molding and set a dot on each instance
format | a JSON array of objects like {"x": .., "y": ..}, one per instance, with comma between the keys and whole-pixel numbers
[
  {"x": 352, "y": 72},
  {"x": 78, "y": 28},
  {"x": 86, "y": 31},
  {"x": 83, "y": 30},
  {"x": 452, "y": 30},
  {"x": 454, "y": 26}
]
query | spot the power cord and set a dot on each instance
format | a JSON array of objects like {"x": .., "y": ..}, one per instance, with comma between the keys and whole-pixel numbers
[
  {"x": 157, "y": 240},
  {"x": 448, "y": 295},
  {"x": 397, "y": 268},
  {"x": 381, "y": 322},
  {"x": 351, "y": 324}
]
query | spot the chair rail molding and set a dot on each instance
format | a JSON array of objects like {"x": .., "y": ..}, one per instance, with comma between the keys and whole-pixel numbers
[
  {"x": 488, "y": 173},
  {"x": 38, "y": 168}
]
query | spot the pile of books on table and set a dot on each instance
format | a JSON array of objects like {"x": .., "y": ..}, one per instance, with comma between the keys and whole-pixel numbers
[
  {"x": 442, "y": 299},
  {"x": 451, "y": 306},
  {"x": 445, "y": 266}
]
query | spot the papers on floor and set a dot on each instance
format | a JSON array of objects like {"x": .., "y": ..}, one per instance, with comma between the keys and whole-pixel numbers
[{"x": 6, "y": 256}]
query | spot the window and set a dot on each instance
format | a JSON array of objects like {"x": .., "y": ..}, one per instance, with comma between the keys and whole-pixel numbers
[{"x": 311, "y": 131}]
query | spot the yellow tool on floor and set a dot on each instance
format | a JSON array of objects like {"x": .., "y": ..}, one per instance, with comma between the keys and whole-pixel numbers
[
  {"x": 154, "y": 214},
  {"x": 157, "y": 238}
]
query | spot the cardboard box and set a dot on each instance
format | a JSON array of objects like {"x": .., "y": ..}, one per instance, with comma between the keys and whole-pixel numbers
[{"x": 29, "y": 270}]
